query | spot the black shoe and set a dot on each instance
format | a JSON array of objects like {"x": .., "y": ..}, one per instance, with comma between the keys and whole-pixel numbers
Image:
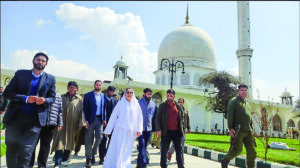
[
  {"x": 93, "y": 161},
  {"x": 152, "y": 145},
  {"x": 224, "y": 163},
  {"x": 101, "y": 162},
  {"x": 88, "y": 163}
]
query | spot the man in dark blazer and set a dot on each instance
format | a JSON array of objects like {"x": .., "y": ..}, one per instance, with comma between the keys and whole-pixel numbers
[
  {"x": 30, "y": 92},
  {"x": 93, "y": 108},
  {"x": 110, "y": 104}
]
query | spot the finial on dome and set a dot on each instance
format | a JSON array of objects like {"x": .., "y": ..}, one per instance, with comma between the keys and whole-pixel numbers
[{"x": 187, "y": 14}]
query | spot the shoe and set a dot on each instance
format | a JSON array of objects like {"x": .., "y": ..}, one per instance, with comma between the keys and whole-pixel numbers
[
  {"x": 65, "y": 163},
  {"x": 158, "y": 147},
  {"x": 88, "y": 163},
  {"x": 101, "y": 162},
  {"x": 93, "y": 161},
  {"x": 224, "y": 163},
  {"x": 152, "y": 145},
  {"x": 169, "y": 157}
]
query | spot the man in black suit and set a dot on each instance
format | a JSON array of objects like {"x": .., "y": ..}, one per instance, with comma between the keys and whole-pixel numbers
[
  {"x": 30, "y": 92},
  {"x": 110, "y": 104}
]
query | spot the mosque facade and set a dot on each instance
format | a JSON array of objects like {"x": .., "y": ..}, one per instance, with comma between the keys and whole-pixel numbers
[{"x": 195, "y": 49}]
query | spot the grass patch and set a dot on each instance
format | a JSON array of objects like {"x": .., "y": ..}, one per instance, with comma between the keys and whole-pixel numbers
[
  {"x": 221, "y": 143},
  {"x": 3, "y": 149}
]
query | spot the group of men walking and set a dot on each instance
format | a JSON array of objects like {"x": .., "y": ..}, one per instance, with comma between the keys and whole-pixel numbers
[{"x": 37, "y": 112}]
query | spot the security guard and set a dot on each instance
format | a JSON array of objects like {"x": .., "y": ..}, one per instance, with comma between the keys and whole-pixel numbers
[{"x": 238, "y": 112}]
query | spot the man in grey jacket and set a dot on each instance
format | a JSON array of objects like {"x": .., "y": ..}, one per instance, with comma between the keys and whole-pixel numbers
[{"x": 54, "y": 119}]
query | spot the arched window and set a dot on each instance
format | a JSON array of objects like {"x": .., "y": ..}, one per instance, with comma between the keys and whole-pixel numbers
[
  {"x": 185, "y": 79},
  {"x": 157, "y": 99},
  {"x": 276, "y": 123},
  {"x": 290, "y": 123},
  {"x": 196, "y": 79},
  {"x": 163, "y": 79},
  {"x": 264, "y": 119}
]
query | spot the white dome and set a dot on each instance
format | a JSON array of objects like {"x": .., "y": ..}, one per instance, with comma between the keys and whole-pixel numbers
[
  {"x": 286, "y": 94},
  {"x": 189, "y": 44}
]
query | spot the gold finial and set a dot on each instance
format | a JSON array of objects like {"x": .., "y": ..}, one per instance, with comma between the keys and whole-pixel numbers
[{"x": 187, "y": 14}]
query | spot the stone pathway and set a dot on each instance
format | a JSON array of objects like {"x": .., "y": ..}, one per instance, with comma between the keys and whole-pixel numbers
[{"x": 190, "y": 161}]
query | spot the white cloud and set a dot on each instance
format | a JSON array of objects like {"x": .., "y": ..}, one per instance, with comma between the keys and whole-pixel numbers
[
  {"x": 84, "y": 37},
  {"x": 56, "y": 67},
  {"x": 234, "y": 71},
  {"x": 41, "y": 22},
  {"x": 115, "y": 35}
]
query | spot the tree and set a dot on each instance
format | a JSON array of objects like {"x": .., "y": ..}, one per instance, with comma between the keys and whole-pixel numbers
[
  {"x": 225, "y": 89},
  {"x": 263, "y": 117}
]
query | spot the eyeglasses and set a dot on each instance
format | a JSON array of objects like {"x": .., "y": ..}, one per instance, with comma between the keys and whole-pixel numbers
[{"x": 129, "y": 92}]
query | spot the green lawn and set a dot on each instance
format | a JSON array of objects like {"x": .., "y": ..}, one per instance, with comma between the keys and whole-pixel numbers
[
  {"x": 3, "y": 149},
  {"x": 222, "y": 142}
]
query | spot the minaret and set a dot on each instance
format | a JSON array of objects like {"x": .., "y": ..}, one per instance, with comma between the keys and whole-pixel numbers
[
  {"x": 120, "y": 69},
  {"x": 244, "y": 52}
]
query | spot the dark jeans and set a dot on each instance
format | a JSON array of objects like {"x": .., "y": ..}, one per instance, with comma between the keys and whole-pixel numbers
[
  {"x": 21, "y": 135},
  {"x": 102, "y": 146},
  {"x": 176, "y": 137},
  {"x": 45, "y": 140},
  {"x": 61, "y": 156},
  {"x": 143, "y": 143}
]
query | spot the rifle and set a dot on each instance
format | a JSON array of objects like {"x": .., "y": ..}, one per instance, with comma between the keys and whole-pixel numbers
[{"x": 234, "y": 137}]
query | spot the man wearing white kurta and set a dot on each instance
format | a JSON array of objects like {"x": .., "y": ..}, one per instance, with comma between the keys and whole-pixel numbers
[{"x": 127, "y": 122}]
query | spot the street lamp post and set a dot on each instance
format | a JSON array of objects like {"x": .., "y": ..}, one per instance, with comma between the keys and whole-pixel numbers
[{"x": 172, "y": 67}]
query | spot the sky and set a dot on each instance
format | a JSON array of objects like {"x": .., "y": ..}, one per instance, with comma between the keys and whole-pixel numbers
[{"x": 84, "y": 40}]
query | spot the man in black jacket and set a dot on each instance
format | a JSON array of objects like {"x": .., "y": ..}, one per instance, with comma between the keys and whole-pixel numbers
[
  {"x": 30, "y": 92},
  {"x": 169, "y": 124},
  {"x": 54, "y": 121}
]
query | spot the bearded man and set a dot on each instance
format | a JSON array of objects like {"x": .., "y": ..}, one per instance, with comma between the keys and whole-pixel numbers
[{"x": 30, "y": 92}]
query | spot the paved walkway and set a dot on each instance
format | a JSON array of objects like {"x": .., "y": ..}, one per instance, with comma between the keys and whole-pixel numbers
[{"x": 190, "y": 161}]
